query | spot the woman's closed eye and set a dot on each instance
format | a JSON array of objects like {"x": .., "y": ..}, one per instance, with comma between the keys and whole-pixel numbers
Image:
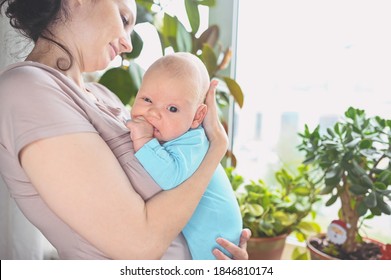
[{"x": 125, "y": 20}]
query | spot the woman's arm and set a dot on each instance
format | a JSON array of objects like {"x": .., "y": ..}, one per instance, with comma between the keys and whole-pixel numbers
[
  {"x": 215, "y": 132},
  {"x": 82, "y": 182}
]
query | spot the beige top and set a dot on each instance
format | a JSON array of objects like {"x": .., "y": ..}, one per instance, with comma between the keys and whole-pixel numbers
[{"x": 37, "y": 102}]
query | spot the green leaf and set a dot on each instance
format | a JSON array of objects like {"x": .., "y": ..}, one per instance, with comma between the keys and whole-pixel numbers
[
  {"x": 183, "y": 39},
  {"x": 375, "y": 211},
  {"x": 173, "y": 34},
  {"x": 365, "y": 144},
  {"x": 285, "y": 219},
  {"x": 327, "y": 189},
  {"x": 361, "y": 209},
  {"x": 300, "y": 236},
  {"x": 353, "y": 143},
  {"x": 208, "y": 3},
  {"x": 370, "y": 200},
  {"x": 119, "y": 81},
  {"x": 255, "y": 209},
  {"x": 210, "y": 59},
  {"x": 366, "y": 181},
  {"x": 193, "y": 15},
  {"x": 137, "y": 43},
  {"x": 380, "y": 186},
  {"x": 333, "y": 176},
  {"x": 350, "y": 113},
  {"x": 358, "y": 189},
  {"x": 235, "y": 90},
  {"x": 384, "y": 207},
  {"x": 302, "y": 191},
  {"x": 309, "y": 227},
  {"x": 332, "y": 200},
  {"x": 168, "y": 32},
  {"x": 336, "y": 128},
  {"x": 330, "y": 132},
  {"x": 169, "y": 28},
  {"x": 385, "y": 177},
  {"x": 125, "y": 83},
  {"x": 356, "y": 169},
  {"x": 143, "y": 13},
  {"x": 136, "y": 73},
  {"x": 298, "y": 255}
]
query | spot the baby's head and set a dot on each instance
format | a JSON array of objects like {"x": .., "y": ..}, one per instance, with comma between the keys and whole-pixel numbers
[
  {"x": 187, "y": 68},
  {"x": 172, "y": 94}
]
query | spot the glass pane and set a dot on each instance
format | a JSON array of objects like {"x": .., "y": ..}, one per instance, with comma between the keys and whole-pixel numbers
[{"x": 305, "y": 62}]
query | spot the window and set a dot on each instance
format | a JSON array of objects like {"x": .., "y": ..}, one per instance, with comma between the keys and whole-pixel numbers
[{"x": 305, "y": 62}]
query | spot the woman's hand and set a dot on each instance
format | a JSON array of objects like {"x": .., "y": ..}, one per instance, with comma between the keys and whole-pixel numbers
[
  {"x": 238, "y": 252},
  {"x": 214, "y": 129}
]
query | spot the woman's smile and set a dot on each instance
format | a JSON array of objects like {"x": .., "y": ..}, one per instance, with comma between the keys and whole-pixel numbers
[{"x": 113, "y": 51}]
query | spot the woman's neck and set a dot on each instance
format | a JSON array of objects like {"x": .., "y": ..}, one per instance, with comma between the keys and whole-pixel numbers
[{"x": 48, "y": 53}]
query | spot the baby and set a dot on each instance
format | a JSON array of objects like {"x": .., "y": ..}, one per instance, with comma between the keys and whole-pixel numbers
[{"x": 170, "y": 143}]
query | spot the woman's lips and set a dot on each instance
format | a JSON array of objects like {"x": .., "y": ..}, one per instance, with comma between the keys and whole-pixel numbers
[{"x": 114, "y": 51}]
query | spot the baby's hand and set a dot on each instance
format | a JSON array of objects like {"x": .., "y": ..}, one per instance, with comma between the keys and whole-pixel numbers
[{"x": 141, "y": 132}]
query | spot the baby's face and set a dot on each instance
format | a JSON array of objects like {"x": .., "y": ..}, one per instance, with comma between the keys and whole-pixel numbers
[{"x": 168, "y": 104}]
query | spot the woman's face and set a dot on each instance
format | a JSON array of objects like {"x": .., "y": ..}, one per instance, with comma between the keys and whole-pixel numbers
[{"x": 100, "y": 30}]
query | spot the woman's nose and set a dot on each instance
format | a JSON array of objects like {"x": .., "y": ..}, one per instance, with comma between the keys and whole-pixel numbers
[{"x": 126, "y": 44}]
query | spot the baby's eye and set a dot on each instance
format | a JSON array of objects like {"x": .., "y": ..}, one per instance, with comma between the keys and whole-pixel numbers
[
  {"x": 172, "y": 109},
  {"x": 146, "y": 99}
]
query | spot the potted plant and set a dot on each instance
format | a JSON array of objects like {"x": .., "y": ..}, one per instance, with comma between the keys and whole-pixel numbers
[
  {"x": 352, "y": 160},
  {"x": 273, "y": 212}
]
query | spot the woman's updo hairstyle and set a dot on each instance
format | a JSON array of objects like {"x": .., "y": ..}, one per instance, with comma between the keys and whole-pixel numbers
[{"x": 33, "y": 18}]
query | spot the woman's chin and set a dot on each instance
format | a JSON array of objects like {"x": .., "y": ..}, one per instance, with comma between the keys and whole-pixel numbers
[{"x": 97, "y": 67}]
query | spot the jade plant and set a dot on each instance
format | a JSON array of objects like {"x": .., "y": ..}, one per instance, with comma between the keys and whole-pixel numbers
[
  {"x": 273, "y": 210},
  {"x": 352, "y": 160}
]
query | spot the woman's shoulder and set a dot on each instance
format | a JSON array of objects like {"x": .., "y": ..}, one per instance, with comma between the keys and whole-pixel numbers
[
  {"x": 27, "y": 77},
  {"x": 26, "y": 74},
  {"x": 24, "y": 68}
]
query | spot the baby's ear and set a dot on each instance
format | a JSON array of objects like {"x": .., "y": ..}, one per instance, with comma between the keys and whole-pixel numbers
[{"x": 199, "y": 116}]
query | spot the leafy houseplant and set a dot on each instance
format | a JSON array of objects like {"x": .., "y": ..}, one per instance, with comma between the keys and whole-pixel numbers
[
  {"x": 273, "y": 211},
  {"x": 353, "y": 162}
]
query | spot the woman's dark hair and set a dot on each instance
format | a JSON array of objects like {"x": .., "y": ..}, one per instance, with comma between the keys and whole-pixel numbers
[{"x": 32, "y": 18}]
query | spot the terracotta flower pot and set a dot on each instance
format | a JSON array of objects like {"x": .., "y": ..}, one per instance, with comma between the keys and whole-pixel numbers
[
  {"x": 266, "y": 248},
  {"x": 317, "y": 254}
]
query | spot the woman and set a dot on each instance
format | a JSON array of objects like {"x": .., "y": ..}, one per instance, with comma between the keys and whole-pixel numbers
[{"x": 69, "y": 171}]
